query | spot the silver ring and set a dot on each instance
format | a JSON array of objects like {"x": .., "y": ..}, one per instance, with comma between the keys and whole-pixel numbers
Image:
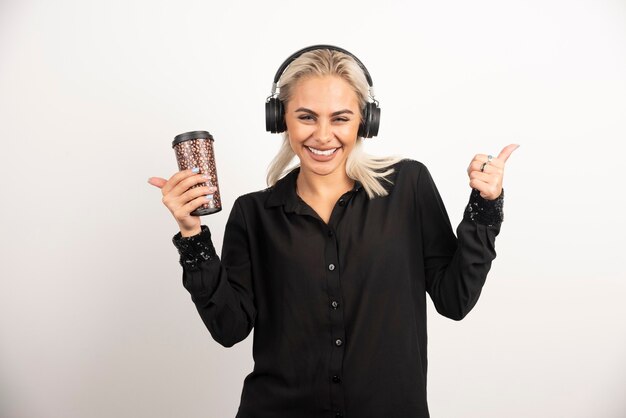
[{"x": 482, "y": 167}]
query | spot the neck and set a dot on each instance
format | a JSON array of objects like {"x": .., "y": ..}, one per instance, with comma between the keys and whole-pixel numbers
[{"x": 331, "y": 185}]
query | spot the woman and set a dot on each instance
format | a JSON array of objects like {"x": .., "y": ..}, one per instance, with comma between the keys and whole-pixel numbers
[{"x": 331, "y": 264}]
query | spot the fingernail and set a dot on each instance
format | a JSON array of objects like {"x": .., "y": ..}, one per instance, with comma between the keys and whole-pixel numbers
[
  {"x": 195, "y": 170},
  {"x": 206, "y": 176},
  {"x": 209, "y": 196}
]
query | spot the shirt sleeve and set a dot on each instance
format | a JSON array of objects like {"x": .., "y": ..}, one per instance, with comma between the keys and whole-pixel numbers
[
  {"x": 456, "y": 267},
  {"x": 220, "y": 289}
]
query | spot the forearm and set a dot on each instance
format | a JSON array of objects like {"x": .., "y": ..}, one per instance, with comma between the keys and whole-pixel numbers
[
  {"x": 227, "y": 314},
  {"x": 456, "y": 285}
]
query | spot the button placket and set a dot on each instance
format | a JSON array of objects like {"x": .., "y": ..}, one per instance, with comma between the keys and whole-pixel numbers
[{"x": 338, "y": 331}]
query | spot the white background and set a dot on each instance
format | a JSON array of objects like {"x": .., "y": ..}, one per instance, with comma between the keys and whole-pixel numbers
[{"x": 94, "y": 320}]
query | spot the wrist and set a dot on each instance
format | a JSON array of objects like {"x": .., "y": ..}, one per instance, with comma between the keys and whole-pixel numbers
[
  {"x": 195, "y": 249},
  {"x": 185, "y": 233},
  {"x": 484, "y": 211}
]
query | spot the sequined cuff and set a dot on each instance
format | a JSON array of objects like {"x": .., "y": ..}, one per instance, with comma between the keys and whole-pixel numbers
[
  {"x": 483, "y": 211},
  {"x": 195, "y": 249}
]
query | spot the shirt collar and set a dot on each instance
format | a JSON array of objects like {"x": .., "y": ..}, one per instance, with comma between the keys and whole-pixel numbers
[{"x": 284, "y": 191}]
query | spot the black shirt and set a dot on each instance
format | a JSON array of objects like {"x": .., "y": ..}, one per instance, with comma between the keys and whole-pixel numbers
[{"x": 339, "y": 309}]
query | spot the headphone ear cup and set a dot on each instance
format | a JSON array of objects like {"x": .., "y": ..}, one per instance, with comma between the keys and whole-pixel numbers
[
  {"x": 371, "y": 121},
  {"x": 269, "y": 116},
  {"x": 281, "y": 126},
  {"x": 274, "y": 116},
  {"x": 374, "y": 120},
  {"x": 364, "y": 122}
]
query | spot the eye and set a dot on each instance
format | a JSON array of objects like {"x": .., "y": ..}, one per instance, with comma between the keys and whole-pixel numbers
[
  {"x": 305, "y": 117},
  {"x": 342, "y": 119}
]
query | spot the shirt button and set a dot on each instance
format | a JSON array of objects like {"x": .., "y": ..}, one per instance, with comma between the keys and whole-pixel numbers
[
  {"x": 338, "y": 342},
  {"x": 334, "y": 304},
  {"x": 336, "y": 379},
  {"x": 331, "y": 267},
  {"x": 338, "y": 415},
  {"x": 342, "y": 202},
  {"x": 330, "y": 233}
]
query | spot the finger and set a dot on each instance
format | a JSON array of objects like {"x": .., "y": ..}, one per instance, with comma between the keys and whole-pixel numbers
[
  {"x": 176, "y": 179},
  {"x": 195, "y": 192},
  {"x": 479, "y": 185},
  {"x": 507, "y": 151},
  {"x": 499, "y": 164},
  {"x": 185, "y": 210},
  {"x": 489, "y": 168},
  {"x": 190, "y": 182},
  {"x": 476, "y": 162},
  {"x": 487, "y": 190},
  {"x": 485, "y": 177},
  {"x": 494, "y": 181},
  {"x": 157, "y": 181},
  {"x": 182, "y": 205},
  {"x": 483, "y": 158}
]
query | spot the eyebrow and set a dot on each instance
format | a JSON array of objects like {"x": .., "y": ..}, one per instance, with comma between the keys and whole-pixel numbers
[{"x": 339, "y": 112}]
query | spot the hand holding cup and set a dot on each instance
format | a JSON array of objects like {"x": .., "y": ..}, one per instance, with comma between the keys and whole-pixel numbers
[{"x": 181, "y": 198}]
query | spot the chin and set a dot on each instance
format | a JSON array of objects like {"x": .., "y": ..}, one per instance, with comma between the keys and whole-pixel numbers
[{"x": 323, "y": 171}]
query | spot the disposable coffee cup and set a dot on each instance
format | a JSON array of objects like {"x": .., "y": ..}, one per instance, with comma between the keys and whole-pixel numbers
[{"x": 195, "y": 149}]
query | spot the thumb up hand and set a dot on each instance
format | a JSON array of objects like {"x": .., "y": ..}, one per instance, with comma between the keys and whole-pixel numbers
[{"x": 486, "y": 172}]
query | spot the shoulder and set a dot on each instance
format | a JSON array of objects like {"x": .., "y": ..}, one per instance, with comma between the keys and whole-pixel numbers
[
  {"x": 246, "y": 207},
  {"x": 408, "y": 170},
  {"x": 409, "y": 176},
  {"x": 253, "y": 198},
  {"x": 409, "y": 165}
]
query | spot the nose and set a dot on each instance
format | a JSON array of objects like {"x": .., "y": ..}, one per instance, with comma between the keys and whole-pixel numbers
[{"x": 324, "y": 131}]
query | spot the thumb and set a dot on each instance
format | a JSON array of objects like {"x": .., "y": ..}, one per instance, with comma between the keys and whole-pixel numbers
[
  {"x": 507, "y": 151},
  {"x": 157, "y": 181}
]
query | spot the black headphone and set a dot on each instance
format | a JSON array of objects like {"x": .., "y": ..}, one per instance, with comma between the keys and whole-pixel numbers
[{"x": 275, "y": 112}]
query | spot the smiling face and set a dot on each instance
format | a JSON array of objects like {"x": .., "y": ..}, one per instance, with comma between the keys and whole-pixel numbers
[{"x": 322, "y": 118}]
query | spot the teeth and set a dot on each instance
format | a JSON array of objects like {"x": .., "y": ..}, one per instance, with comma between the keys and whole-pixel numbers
[{"x": 319, "y": 152}]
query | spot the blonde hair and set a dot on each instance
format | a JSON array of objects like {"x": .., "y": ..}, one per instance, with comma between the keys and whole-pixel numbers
[{"x": 367, "y": 169}]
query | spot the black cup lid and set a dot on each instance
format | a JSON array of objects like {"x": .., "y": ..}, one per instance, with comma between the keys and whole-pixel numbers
[{"x": 187, "y": 136}]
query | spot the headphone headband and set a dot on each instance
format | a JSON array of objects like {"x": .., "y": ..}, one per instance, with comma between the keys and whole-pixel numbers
[{"x": 296, "y": 54}]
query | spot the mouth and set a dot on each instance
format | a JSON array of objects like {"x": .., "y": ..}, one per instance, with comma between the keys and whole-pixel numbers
[{"x": 323, "y": 152}]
